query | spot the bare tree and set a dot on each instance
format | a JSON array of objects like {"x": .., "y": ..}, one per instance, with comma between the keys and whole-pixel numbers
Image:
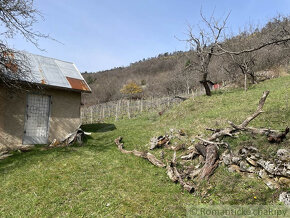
[
  {"x": 244, "y": 48},
  {"x": 179, "y": 71},
  {"x": 204, "y": 44},
  {"x": 17, "y": 17},
  {"x": 182, "y": 78},
  {"x": 211, "y": 41},
  {"x": 244, "y": 62}
]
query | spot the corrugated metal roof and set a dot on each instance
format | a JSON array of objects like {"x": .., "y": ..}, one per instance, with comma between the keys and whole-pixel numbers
[{"x": 53, "y": 72}]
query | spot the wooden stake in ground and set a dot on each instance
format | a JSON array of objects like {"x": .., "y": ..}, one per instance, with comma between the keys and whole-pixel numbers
[
  {"x": 91, "y": 115},
  {"x": 128, "y": 109},
  {"x": 116, "y": 115}
]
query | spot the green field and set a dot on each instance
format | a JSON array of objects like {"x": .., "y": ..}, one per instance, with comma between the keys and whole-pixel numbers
[{"x": 98, "y": 180}]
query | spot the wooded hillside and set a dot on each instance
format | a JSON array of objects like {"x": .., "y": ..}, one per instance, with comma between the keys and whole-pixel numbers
[{"x": 169, "y": 73}]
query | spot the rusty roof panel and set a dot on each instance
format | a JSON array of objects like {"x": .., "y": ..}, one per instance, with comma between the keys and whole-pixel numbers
[{"x": 78, "y": 84}]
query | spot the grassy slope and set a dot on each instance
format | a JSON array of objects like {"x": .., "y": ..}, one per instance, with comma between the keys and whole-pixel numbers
[{"x": 97, "y": 179}]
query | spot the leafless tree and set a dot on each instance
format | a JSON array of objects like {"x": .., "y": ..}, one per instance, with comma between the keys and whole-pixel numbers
[
  {"x": 247, "y": 48},
  {"x": 181, "y": 79},
  {"x": 204, "y": 43},
  {"x": 211, "y": 40},
  {"x": 17, "y": 17},
  {"x": 171, "y": 74},
  {"x": 244, "y": 62}
]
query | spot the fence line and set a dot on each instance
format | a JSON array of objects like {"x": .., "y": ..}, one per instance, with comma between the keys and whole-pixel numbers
[{"x": 126, "y": 108}]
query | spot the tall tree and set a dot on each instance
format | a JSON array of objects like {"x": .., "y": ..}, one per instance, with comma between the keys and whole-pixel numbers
[
  {"x": 204, "y": 43},
  {"x": 244, "y": 62},
  {"x": 244, "y": 48},
  {"x": 17, "y": 17},
  {"x": 211, "y": 40}
]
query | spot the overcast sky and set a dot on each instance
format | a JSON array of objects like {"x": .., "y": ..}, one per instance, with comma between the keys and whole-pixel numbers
[{"x": 102, "y": 34}]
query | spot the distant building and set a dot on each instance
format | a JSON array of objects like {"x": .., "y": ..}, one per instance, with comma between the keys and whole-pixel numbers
[
  {"x": 42, "y": 114},
  {"x": 216, "y": 86}
]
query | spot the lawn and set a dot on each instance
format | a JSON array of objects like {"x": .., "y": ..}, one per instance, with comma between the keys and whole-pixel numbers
[{"x": 97, "y": 180}]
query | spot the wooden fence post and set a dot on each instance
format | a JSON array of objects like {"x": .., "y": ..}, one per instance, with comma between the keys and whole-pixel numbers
[
  {"x": 91, "y": 114},
  {"x": 100, "y": 112},
  {"x": 192, "y": 92},
  {"x": 116, "y": 115},
  {"x": 104, "y": 112},
  {"x": 141, "y": 109},
  {"x": 128, "y": 109},
  {"x": 120, "y": 108},
  {"x": 82, "y": 116},
  {"x": 109, "y": 109}
]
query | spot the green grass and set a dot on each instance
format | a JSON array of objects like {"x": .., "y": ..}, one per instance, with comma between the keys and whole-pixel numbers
[{"x": 98, "y": 180}]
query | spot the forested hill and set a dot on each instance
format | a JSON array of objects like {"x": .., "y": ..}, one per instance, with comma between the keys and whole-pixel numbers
[{"x": 168, "y": 73}]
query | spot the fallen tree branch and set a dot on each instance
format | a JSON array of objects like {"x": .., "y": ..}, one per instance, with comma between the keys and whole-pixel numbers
[
  {"x": 273, "y": 136},
  {"x": 175, "y": 148},
  {"x": 211, "y": 162},
  {"x": 4, "y": 155},
  {"x": 257, "y": 112},
  {"x": 207, "y": 150},
  {"x": 175, "y": 176},
  {"x": 190, "y": 155},
  {"x": 172, "y": 171},
  {"x": 180, "y": 97},
  {"x": 278, "y": 137},
  {"x": 210, "y": 152},
  {"x": 75, "y": 137},
  {"x": 146, "y": 155},
  {"x": 212, "y": 143},
  {"x": 213, "y": 130},
  {"x": 221, "y": 134}
]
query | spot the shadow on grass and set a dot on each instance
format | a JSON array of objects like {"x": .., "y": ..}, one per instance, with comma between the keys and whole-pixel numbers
[
  {"x": 33, "y": 156},
  {"x": 20, "y": 159},
  {"x": 41, "y": 153},
  {"x": 99, "y": 127}
]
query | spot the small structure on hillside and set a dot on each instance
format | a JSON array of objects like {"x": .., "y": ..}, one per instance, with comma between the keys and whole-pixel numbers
[{"x": 49, "y": 109}]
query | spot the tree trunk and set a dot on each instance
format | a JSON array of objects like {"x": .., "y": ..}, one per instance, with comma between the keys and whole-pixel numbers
[
  {"x": 253, "y": 78},
  {"x": 206, "y": 87},
  {"x": 187, "y": 87},
  {"x": 211, "y": 161},
  {"x": 245, "y": 82}
]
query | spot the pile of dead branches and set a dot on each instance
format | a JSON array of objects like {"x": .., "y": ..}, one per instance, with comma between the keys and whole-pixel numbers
[
  {"x": 207, "y": 150},
  {"x": 249, "y": 161},
  {"x": 76, "y": 137}
]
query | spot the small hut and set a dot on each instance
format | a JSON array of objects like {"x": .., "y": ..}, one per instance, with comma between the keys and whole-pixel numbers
[{"x": 49, "y": 109}]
